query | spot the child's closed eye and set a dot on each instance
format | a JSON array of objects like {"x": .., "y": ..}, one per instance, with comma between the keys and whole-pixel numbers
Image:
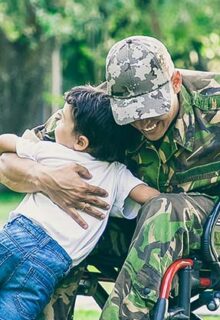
[{"x": 59, "y": 115}]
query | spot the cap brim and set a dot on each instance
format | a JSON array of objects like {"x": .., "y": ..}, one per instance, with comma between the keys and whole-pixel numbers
[{"x": 153, "y": 104}]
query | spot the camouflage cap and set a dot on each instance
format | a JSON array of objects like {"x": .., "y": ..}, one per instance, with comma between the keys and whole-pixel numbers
[{"x": 138, "y": 73}]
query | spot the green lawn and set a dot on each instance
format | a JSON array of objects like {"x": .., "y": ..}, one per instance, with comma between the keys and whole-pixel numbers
[
  {"x": 86, "y": 315},
  {"x": 8, "y": 201},
  {"x": 94, "y": 315}
]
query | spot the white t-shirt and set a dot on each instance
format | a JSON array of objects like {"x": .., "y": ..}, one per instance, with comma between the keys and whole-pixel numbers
[{"x": 114, "y": 177}]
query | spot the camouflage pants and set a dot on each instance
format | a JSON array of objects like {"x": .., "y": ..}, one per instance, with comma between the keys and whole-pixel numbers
[{"x": 168, "y": 228}]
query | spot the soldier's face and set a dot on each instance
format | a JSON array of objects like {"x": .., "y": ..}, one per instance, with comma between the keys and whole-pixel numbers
[{"x": 155, "y": 128}]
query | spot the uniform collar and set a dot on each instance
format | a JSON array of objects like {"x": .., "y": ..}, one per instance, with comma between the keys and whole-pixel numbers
[{"x": 184, "y": 128}]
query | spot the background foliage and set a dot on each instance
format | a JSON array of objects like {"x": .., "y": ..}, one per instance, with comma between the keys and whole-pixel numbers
[{"x": 82, "y": 32}]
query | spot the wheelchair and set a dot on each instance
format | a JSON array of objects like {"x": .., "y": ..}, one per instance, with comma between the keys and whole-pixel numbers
[{"x": 198, "y": 278}]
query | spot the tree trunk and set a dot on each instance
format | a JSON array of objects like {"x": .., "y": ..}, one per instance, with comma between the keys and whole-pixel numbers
[
  {"x": 24, "y": 80},
  {"x": 56, "y": 87}
]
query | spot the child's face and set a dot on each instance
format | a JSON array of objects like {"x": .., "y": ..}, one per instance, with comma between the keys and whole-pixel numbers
[{"x": 64, "y": 132}]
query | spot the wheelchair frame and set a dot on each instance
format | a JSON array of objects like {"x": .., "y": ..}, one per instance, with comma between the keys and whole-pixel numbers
[{"x": 197, "y": 277}]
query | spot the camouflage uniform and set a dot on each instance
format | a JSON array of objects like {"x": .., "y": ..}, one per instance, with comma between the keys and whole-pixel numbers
[
  {"x": 173, "y": 176},
  {"x": 186, "y": 161},
  {"x": 170, "y": 225}
]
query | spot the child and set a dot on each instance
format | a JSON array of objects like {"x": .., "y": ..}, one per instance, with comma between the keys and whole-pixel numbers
[{"x": 40, "y": 243}]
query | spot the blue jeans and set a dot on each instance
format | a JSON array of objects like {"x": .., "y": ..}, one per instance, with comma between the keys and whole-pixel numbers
[{"x": 31, "y": 265}]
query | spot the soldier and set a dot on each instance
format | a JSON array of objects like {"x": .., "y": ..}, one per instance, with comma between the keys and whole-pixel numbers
[{"x": 177, "y": 113}]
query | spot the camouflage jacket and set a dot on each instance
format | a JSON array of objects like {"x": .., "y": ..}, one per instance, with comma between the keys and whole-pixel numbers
[{"x": 188, "y": 158}]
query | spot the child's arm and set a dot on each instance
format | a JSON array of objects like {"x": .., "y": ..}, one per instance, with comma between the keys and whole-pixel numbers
[
  {"x": 8, "y": 143},
  {"x": 143, "y": 193}
]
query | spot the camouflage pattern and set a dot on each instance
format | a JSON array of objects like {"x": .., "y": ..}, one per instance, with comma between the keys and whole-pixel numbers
[
  {"x": 187, "y": 160},
  {"x": 61, "y": 306},
  {"x": 46, "y": 131},
  {"x": 138, "y": 73},
  {"x": 182, "y": 217},
  {"x": 115, "y": 240}
]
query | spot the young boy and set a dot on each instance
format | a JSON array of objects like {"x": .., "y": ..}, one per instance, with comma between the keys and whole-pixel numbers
[{"x": 40, "y": 243}]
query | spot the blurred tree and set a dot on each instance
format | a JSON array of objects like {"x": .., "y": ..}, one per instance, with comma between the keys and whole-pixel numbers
[
  {"x": 24, "y": 64},
  {"x": 189, "y": 28},
  {"x": 81, "y": 32}
]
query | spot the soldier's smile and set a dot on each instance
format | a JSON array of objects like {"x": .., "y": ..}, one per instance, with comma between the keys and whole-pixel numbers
[
  {"x": 155, "y": 128},
  {"x": 150, "y": 128}
]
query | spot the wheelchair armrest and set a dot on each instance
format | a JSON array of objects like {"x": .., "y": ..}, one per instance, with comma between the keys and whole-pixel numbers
[{"x": 210, "y": 245}]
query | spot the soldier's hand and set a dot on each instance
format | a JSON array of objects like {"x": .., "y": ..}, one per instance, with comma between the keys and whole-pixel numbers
[{"x": 66, "y": 186}]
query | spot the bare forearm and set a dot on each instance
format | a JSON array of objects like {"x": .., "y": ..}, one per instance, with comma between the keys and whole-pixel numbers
[
  {"x": 63, "y": 185},
  {"x": 18, "y": 174},
  {"x": 8, "y": 143},
  {"x": 143, "y": 193}
]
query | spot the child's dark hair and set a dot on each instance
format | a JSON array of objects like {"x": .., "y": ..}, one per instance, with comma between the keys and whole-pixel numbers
[{"x": 93, "y": 118}]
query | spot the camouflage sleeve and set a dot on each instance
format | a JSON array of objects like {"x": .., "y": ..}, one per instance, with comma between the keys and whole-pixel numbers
[{"x": 46, "y": 131}]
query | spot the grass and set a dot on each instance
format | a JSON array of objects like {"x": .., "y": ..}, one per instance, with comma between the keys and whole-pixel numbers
[
  {"x": 86, "y": 315},
  {"x": 94, "y": 315},
  {"x": 8, "y": 201}
]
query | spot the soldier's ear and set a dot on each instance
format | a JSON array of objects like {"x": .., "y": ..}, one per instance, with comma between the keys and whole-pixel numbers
[{"x": 176, "y": 80}]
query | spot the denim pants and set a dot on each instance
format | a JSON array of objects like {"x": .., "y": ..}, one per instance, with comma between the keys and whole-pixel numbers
[{"x": 31, "y": 265}]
